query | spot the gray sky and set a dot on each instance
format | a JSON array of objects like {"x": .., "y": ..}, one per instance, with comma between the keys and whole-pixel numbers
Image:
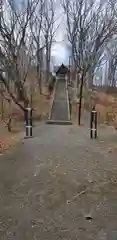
[{"x": 59, "y": 49}]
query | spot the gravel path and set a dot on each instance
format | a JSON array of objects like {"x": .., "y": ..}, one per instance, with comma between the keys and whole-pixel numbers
[
  {"x": 60, "y": 107},
  {"x": 59, "y": 185}
]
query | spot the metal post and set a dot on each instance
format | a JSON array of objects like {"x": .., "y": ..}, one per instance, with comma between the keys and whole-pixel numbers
[
  {"x": 93, "y": 124},
  {"x": 26, "y": 115},
  {"x": 31, "y": 122},
  {"x": 28, "y": 122},
  {"x": 70, "y": 107}
]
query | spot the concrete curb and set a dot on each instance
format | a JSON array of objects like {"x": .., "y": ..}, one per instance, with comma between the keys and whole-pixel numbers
[
  {"x": 52, "y": 101},
  {"x": 69, "y": 118}
]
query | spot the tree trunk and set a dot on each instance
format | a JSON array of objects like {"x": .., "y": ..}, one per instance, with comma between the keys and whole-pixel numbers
[
  {"x": 80, "y": 100},
  {"x": 39, "y": 69},
  {"x": 26, "y": 104},
  {"x": 9, "y": 124},
  {"x": 47, "y": 63},
  {"x": 47, "y": 71},
  {"x": 39, "y": 79},
  {"x": 90, "y": 79},
  {"x": 14, "y": 98},
  {"x": 40, "y": 88}
]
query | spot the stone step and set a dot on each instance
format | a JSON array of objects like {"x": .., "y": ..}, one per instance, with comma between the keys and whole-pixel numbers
[
  {"x": 59, "y": 110},
  {"x": 57, "y": 122}
]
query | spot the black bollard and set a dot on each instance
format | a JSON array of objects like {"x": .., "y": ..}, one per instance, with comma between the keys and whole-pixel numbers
[
  {"x": 70, "y": 107},
  {"x": 28, "y": 122},
  {"x": 93, "y": 123}
]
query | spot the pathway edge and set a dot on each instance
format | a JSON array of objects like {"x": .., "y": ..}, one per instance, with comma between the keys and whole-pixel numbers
[
  {"x": 67, "y": 100},
  {"x": 52, "y": 101}
]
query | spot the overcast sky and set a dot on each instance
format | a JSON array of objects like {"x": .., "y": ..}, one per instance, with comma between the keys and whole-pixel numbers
[{"x": 59, "y": 49}]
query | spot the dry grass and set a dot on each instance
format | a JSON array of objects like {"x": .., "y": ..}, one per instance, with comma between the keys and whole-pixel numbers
[
  {"x": 74, "y": 115},
  {"x": 106, "y": 106},
  {"x": 40, "y": 113},
  {"x": 39, "y": 102},
  {"x": 41, "y": 105},
  {"x": 8, "y": 140}
]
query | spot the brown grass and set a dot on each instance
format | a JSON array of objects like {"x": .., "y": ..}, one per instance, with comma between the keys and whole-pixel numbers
[
  {"x": 39, "y": 102},
  {"x": 74, "y": 115},
  {"x": 106, "y": 106},
  {"x": 40, "y": 113},
  {"x": 7, "y": 140},
  {"x": 41, "y": 105}
]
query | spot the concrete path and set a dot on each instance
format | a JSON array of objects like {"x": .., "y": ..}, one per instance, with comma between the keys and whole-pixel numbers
[
  {"x": 59, "y": 185},
  {"x": 60, "y": 105}
]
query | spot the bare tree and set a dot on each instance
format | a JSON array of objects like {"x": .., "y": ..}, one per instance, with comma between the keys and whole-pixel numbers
[
  {"x": 36, "y": 26},
  {"x": 111, "y": 52},
  {"x": 15, "y": 48},
  {"x": 50, "y": 27},
  {"x": 90, "y": 26}
]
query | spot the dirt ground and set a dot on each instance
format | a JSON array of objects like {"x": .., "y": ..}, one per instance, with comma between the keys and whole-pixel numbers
[
  {"x": 8, "y": 139},
  {"x": 60, "y": 185}
]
